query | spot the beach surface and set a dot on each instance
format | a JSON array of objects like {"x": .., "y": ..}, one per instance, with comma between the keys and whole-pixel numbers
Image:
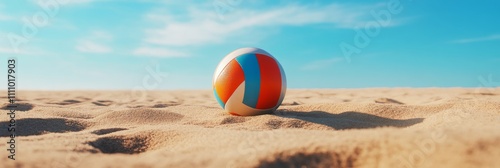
[{"x": 375, "y": 127}]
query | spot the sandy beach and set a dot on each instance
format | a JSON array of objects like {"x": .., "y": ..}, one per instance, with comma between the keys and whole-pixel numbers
[{"x": 375, "y": 127}]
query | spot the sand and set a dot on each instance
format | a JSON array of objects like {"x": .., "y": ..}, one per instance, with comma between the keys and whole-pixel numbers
[{"x": 397, "y": 127}]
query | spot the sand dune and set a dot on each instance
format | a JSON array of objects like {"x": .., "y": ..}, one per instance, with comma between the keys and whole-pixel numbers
[{"x": 399, "y": 127}]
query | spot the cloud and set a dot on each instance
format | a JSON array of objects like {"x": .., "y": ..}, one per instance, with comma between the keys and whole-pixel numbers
[
  {"x": 101, "y": 35},
  {"x": 73, "y": 2},
  {"x": 4, "y": 17},
  {"x": 92, "y": 47},
  {"x": 478, "y": 39},
  {"x": 79, "y": 1},
  {"x": 9, "y": 50},
  {"x": 95, "y": 42},
  {"x": 6, "y": 49},
  {"x": 203, "y": 26},
  {"x": 320, "y": 64},
  {"x": 158, "y": 52}
]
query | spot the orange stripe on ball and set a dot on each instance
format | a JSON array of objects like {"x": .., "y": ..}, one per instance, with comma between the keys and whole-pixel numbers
[{"x": 228, "y": 80}]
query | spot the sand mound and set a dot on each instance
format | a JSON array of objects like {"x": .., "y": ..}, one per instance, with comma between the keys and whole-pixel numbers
[{"x": 138, "y": 116}]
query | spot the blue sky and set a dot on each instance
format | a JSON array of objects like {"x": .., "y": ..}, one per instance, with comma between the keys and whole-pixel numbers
[{"x": 159, "y": 44}]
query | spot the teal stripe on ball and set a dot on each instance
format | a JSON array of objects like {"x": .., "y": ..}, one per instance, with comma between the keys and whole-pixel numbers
[{"x": 251, "y": 70}]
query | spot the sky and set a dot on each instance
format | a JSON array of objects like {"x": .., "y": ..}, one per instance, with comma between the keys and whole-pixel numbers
[{"x": 160, "y": 44}]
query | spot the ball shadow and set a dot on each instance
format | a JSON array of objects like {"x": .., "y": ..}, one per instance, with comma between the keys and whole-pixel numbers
[{"x": 348, "y": 119}]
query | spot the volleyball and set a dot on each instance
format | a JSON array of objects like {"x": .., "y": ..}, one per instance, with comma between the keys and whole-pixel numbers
[{"x": 249, "y": 81}]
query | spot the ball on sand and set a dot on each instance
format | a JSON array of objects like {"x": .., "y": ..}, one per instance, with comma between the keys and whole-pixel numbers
[{"x": 249, "y": 81}]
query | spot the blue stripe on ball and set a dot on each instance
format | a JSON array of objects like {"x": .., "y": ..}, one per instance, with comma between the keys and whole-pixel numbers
[{"x": 251, "y": 70}]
